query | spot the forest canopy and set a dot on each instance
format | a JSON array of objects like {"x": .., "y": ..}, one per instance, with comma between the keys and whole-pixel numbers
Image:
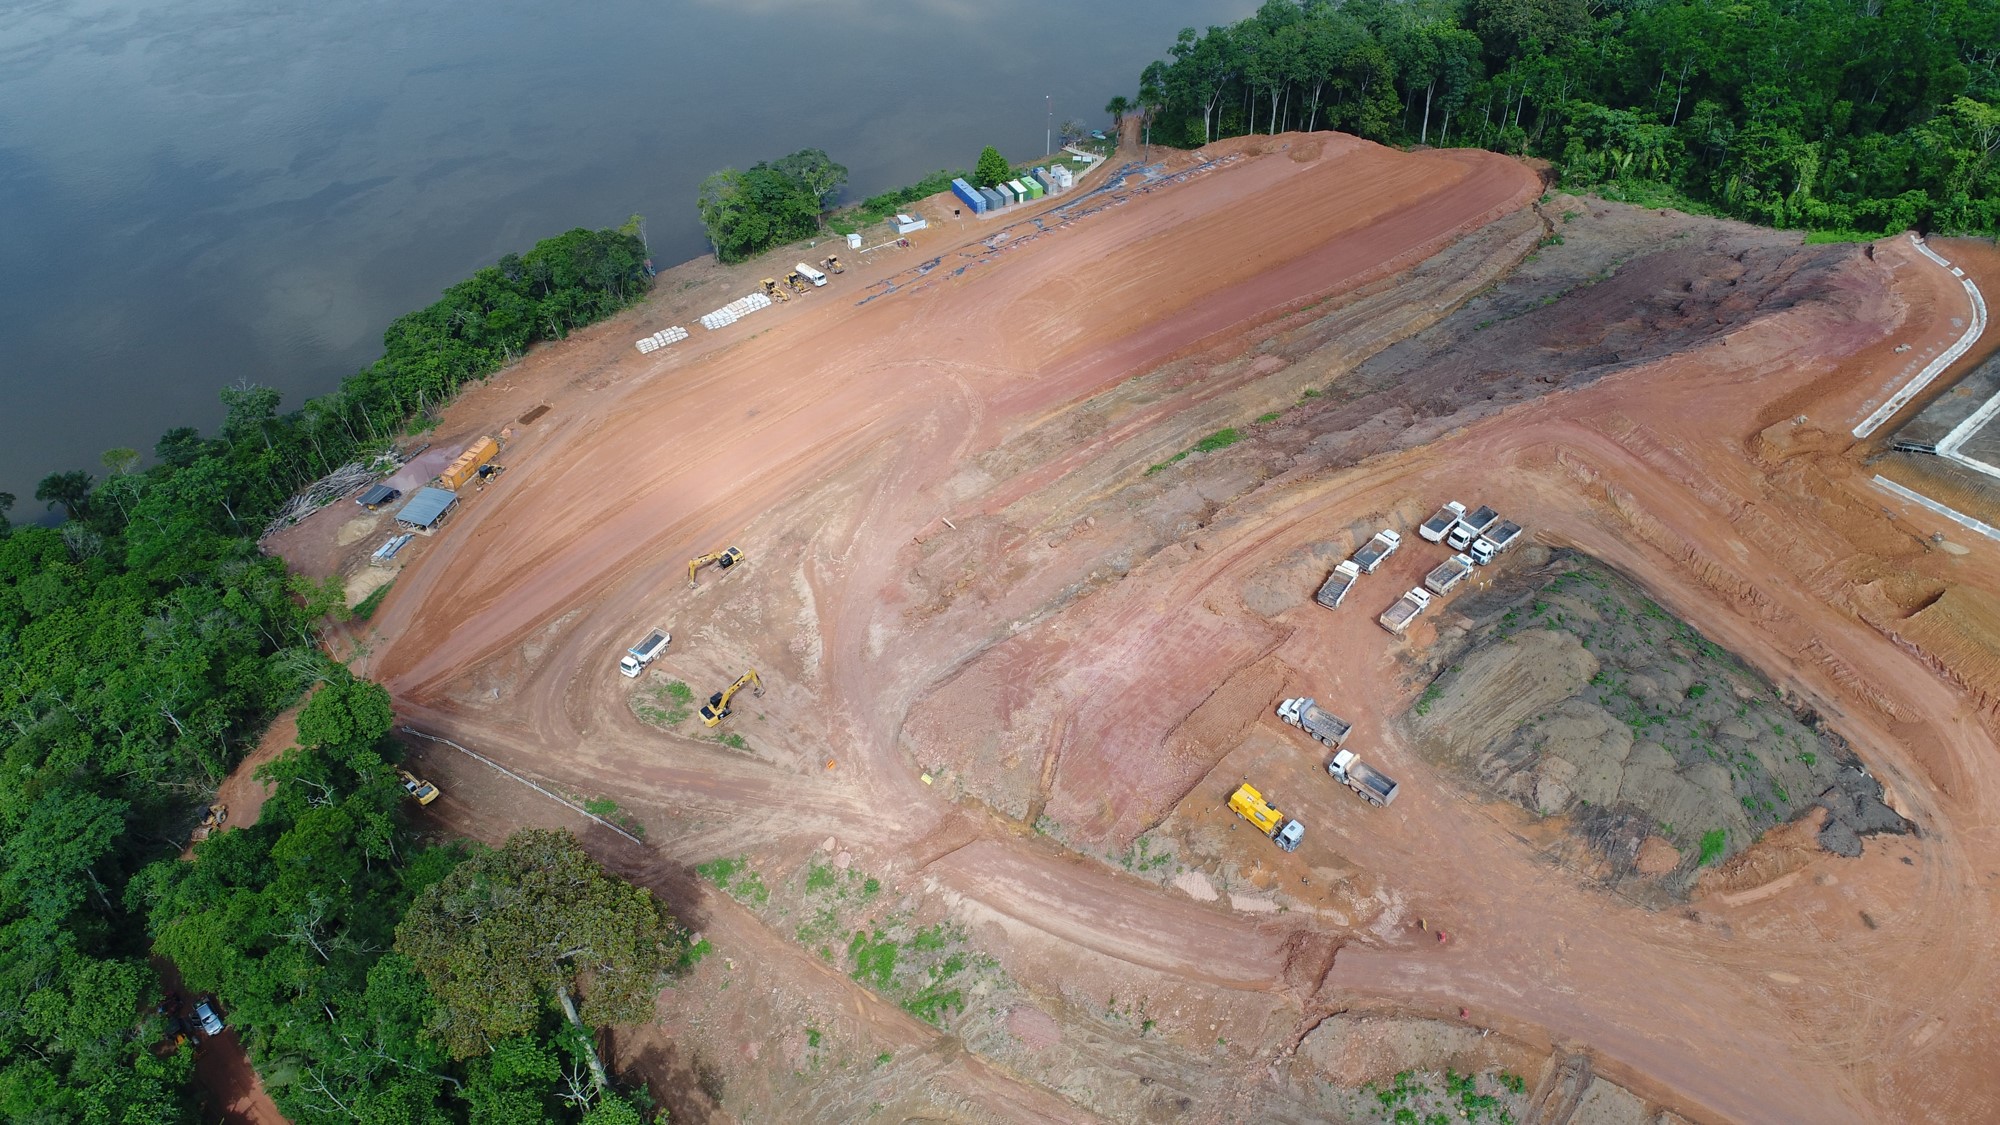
[{"x": 1848, "y": 115}]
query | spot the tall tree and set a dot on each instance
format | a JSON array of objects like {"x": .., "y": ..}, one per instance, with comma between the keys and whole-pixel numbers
[{"x": 991, "y": 167}]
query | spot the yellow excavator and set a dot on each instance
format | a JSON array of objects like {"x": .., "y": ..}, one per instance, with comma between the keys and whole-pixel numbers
[
  {"x": 832, "y": 264},
  {"x": 723, "y": 560},
  {"x": 772, "y": 291},
  {"x": 795, "y": 281},
  {"x": 717, "y": 707}
]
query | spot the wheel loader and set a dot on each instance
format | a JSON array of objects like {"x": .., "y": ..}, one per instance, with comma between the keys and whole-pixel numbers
[{"x": 832, "y": 264}]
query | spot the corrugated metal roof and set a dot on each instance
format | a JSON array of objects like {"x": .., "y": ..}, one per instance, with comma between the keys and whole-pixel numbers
[
  {"x": 426, "y": 507},
  {"x": 380, "y": 494}
]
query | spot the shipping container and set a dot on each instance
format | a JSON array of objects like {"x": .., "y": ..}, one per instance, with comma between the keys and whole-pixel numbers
[
  {"x": 970, "y": 196},
  {"x": 994, "y": 200},
  {"x": 1033, "y": 186},
  {"x": 467, "y": 465}
]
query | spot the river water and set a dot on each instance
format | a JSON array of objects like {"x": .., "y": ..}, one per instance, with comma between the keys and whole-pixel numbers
[{"x": 198, "y": 192}]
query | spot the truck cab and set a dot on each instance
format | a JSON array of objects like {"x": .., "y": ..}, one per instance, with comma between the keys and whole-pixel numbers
[{"x": 1481, "y": 551}]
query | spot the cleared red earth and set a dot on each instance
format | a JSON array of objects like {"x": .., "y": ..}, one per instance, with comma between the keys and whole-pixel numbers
[{"x": 1009, "y": 668}]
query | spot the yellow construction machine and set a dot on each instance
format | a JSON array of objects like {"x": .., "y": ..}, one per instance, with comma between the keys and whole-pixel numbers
[
  {"x": 723, "y": 560},
  {"x": 417, "y": 787},
  {"x": 772, "y": 291},
  {"x": 793, "y": 279},
  {"x": 832, "y": 264},
  {"x": 717, "y": 707},
  {"x": 1249, "y": 804}
]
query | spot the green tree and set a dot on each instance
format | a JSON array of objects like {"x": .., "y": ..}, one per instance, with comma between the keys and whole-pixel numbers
[
  {"x": 817, "y": 173},
  {"x": 991, "y": 168},
  {"x": 1118, "y": 107},
  {"x": 70, "y": 489},
  {"x": 511, "y": 931}
]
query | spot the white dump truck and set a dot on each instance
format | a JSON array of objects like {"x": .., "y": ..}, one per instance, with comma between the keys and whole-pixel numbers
[
  {"x": 1397, "y": 617},
  {"x": 1307, "y": 715},
  {"x": 1377, "y": 550},
  {"x": 638, "y": 656},
  {"x": 1338, "y": 584},
  {"x": 1470, "y": 527},
  {"x": 810, "y": 274},
  {"x": 1486, "y": 547},
  {"x": 1448, "y": 574},
  {"x": 1440, "y": 524},
  {"x": 1376, "y": 787}
]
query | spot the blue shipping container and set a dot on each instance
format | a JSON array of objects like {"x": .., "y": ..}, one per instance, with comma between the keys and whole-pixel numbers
[{"x": 970, "y": 196}]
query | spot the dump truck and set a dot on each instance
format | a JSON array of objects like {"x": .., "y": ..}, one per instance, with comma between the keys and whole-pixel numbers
[
  {"x": 1249, "y": 804},
  {"x": 1307, "y": 715},
  {"x": 810, "y": 274},
  {"x": 1448, "y": 574},
  {"x": 1338, "y": 584},
  {"x": 1376, "y": 787},
  {"x": 417, "y": 787},
  {"x": 1377, "y": 550},
  {"x": 1471, "y": 527},
  {"x": 1504, "y": 535},
  {"x": 1397, "y": 617},
  {"x": 638, "y": 656},
  {"x": 1440, "y": 524},
  {"x": 467, "y": 464}
]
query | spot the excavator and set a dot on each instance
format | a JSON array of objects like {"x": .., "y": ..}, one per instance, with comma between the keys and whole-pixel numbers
[
  {"x": 772, "y": 291},
  {"x": 795, "y": 281},
  {"x": 832, "y": 264},
  {"x": 717, "y": 707},
  {"x": 723, "y": 560}
]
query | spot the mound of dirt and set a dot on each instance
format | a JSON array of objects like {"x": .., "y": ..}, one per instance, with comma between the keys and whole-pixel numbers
[
  {"x": 1959, "y": 635},
  {"x": 1354, "y": 1050},
  {"x": 1575, "y": 695}
]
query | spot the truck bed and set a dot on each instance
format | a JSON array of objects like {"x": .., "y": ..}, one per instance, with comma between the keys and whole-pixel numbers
[
  {"x": 1434, "y": 528},
  {"x": 1337, "y": 585},
  {"x": 1447, "y": 574},
  {"x": 1397, "y": 617},
  {"x": 1480, "y": 519},
  {"x": 1372, "y": 783}
]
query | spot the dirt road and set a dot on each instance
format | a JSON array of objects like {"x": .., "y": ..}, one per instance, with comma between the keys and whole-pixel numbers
[{"x": 1092, "y": 649}]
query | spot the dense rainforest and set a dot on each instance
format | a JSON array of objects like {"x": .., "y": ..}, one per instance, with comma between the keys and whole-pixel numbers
[
  {"x": 1864, "y": 116},
  {"x": 145, "y": 642}
]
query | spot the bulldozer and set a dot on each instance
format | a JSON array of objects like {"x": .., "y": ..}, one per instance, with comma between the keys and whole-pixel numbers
[
  {"x": 717, "y": 707},
  {"x": 723, "y": 560},
  {"x": 772, "y": 290},
  {"x": 795, "y": 281},
  {"x": 832, "y": 264}
]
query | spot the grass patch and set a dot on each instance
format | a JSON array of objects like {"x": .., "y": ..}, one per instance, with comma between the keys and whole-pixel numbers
[
  {"x": 366, "y": 607},
  {"x": 695, "y": 953},
  {"x": 1271, "y": 417},
  {"x": 819, "y": 877},
  {"x": 874, "y": 959},
  {"x": 603, "y": 807},
  {"x": 666, "y": 705},
  {"x": 1819, "y": 237},
  {"x": 1713, "y": 844},
  {"x": 1431, "y": 695},
  {"x": 1220, "y": 439},
  {"x": 876, "y": 208},
  {"x": 734, "y": 877}
]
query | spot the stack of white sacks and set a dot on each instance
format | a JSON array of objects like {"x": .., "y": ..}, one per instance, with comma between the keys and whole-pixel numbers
[
  {"x": 734, "y": 311},
  {"x": 662, "y": 338}
]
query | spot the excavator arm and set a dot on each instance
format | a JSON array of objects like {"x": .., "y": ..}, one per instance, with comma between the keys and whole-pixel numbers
[
  {"x": 722, "y": 559},
  {"x": 717, "y": 707}
]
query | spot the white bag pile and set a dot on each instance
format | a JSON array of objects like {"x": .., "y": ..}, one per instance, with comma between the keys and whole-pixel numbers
[
  {"x": 734, "y": 311},
  {"x": 662, "y": 338}
]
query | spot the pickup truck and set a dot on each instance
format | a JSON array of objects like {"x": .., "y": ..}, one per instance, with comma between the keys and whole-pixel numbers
[
  {"x": 1374, "y": 552},
  {"x": 1376, "y": 787},
  {"x": 1440, "y": 524},
  {"x": 1338, "y": 584},
  {"x": 1397, "y": 617}
]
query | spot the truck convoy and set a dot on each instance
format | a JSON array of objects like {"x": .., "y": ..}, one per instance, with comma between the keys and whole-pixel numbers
[
  {"x": 1307, "y": 715},
  {"x": 1448, "y": 574},
  {"x": 1440, "y": 525},
  {"x": 1249, "y": 804},
  {"x": 1376, "y": 787},
  {"x": 1397, "y": 617},
  {"x": 1471, "y": 527},
  {"x": 1377, "y": 550},
  {"x": 1338, "y": 584},
  {"x": 638, "y": 656}
]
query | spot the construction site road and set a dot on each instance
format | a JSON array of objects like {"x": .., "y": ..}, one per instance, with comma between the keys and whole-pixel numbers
[{"x": 1092, "y": 649}]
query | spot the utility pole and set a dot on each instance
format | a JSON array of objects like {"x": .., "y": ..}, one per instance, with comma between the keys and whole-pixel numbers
[{"x": 1049, "y": 134}]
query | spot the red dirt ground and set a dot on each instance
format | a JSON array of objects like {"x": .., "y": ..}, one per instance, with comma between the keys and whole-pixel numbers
[{"x": 833, "y": 439}]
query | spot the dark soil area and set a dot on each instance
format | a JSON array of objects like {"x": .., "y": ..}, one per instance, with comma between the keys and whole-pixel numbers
[{"x": 1568, "y": 691}]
